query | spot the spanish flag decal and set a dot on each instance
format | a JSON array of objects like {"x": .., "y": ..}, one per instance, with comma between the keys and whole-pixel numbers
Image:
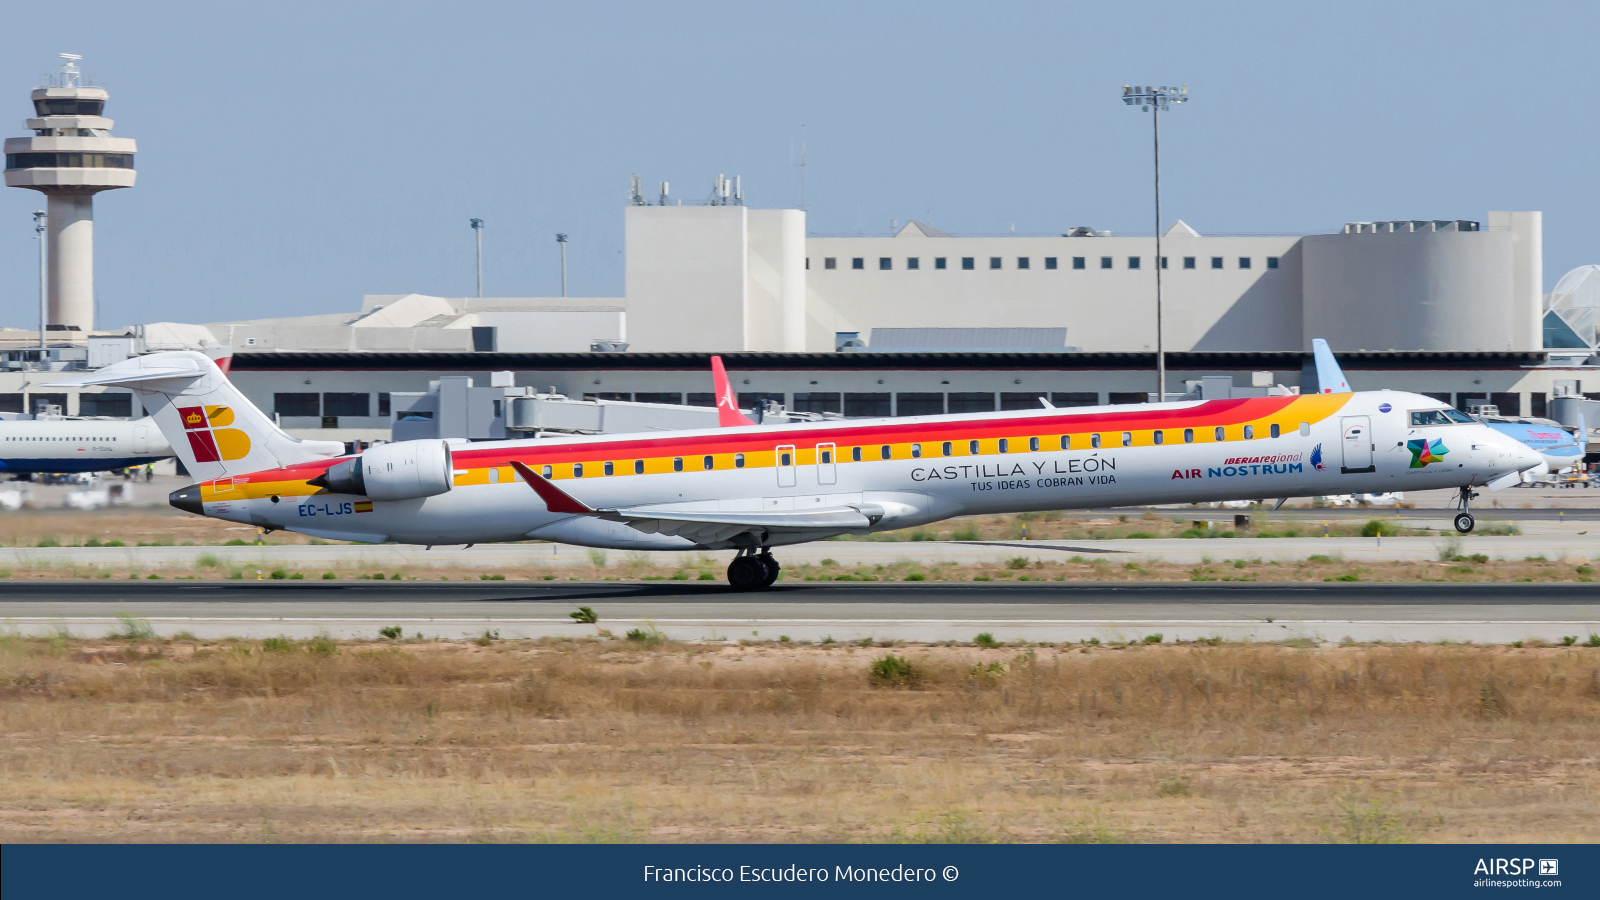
[{"x": 363, "y": 506}]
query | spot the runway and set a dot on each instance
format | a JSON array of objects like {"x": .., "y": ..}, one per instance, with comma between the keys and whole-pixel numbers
[{"x": 1041, "y": 611}]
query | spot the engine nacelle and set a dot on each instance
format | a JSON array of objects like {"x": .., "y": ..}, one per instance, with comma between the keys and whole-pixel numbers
[{"x": 400, "y": 471}]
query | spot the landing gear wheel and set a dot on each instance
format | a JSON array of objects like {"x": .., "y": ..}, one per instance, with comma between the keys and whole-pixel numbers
[
  {"x": 772, "y": 568},
  {"x": 747, "y": 573},
  {"x": 1464, "y": 522}
]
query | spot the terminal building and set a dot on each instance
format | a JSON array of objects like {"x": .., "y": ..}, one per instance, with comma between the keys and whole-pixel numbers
[{"x": 911, "y": 322}]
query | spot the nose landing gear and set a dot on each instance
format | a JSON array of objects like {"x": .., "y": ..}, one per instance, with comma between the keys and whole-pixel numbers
[
  {"x": 753, "y": 570},
  {"x": 1464, "y": 521}
]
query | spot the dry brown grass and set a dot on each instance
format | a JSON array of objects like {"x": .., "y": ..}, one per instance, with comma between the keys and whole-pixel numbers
[
  {"x": 616, "y": 740},
  {"x": 133, "y": 526}
]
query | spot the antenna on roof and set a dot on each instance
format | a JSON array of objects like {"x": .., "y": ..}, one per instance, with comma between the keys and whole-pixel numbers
[
  {"x": 663, "y": 194},
  {"x": 69, "y": 69},
  {"x": 636, "y": 193},
  {"x": 802, "y": 165}
]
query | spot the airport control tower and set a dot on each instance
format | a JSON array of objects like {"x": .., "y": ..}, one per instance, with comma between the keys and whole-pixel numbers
[{"x": 71, "y": 157}]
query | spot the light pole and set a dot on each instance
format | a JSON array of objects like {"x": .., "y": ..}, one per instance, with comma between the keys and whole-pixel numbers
[
  {"x": 39, "y": 227},
  {"x": 561, "y": 241},
  {"x": 477, "y": 232},
  {"x": 1157, "y": 100}
]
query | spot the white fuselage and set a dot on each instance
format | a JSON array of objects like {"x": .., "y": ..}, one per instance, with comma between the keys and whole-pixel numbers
[{"x": 62, "y": 445}]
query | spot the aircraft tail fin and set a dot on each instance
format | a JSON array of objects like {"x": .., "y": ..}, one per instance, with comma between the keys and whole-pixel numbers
[
  {"x": 728, "y": 414},
  {"x": 210, "y": 424},
  {"x": 1330, "y": 378}
]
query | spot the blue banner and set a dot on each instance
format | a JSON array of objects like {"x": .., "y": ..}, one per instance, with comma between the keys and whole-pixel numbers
[{"x": 686, "y": 870}]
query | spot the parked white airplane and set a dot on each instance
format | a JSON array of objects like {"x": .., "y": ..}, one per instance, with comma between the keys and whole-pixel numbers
[
  {"x": 94, "y": 444},
  {"x": 757, "y": 487}
]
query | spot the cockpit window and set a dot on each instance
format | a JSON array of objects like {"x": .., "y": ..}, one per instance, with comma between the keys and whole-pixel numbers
[{"x": 1440, "y": 417}]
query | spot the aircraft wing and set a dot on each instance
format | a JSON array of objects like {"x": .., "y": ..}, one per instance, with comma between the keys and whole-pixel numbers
[{"x": 708, "y": 527}]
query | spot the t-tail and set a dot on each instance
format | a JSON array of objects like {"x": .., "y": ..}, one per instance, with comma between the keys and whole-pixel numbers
[
  {"x": 211, "y": 426},
  {"x": 1330, "y": 378},
  {"x": 728, "y": 415}
]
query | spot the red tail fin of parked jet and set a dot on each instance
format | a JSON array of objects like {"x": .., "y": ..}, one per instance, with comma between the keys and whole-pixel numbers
[{"x": 728, "y": 415}]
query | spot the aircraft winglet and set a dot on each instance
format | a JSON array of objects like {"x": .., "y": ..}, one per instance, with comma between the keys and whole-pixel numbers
[
  {"x": 1330, "y": 378},
  {"x": 728, "y": 415},
  {"x": 555, "y": 499}
]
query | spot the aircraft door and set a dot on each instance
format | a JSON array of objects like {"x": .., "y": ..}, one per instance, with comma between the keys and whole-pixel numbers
[
  {"x": 827, "y": 464},
  {"x": 786, "y": 464},
  {"x": 141, "y": 439},
  {"x": 1357, "y": 444}
]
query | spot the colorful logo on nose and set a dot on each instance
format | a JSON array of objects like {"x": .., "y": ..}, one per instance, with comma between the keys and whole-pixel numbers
[{"x": 1425, "y": 451}]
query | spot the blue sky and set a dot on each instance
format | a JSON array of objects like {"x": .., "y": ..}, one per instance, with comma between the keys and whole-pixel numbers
[{"x": 294, "y": 156}]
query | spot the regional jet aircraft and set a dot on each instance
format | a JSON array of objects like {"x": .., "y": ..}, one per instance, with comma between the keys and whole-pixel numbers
[{"x": 755, "y": 487}]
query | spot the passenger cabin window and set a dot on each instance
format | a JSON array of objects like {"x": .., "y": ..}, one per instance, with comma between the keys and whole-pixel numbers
[
  {"x": 945, "y": 448},
  {"x": 1439, "y": 417},
  {"x": 1219, "y": 432},
  {"x": 738, "y": 460},
  {"x": 884, "y": 451},
  {"x": 577, "y": 470},
  {"x": 1188, "y": 435},
  {"x": 1066, "y": 442},
  {"x": 638, "y": 467},
  {"x": 677, "y": 464},
  {"x": 786, "y": 459},
  {"x": 972, "y": 448},
  {"x": 1249, "y": 432},
  {"x": 1005, "y": 445},
  {"x": 1094, "y": 440},
  {"x": 1161, "y": 437},
  {"x": 827, "y": 457},
  {"x": 1274, "y": 429},
  {"x": 706, "y": 463},
  {"x": 1033, "y": 444},
  {"x": 855, "y": 454},
  {"x": 1305, "y": 429},
  {"x": 1127, "y": 439},
  {"x": 916, "y": 451},
  {"x": 610, "y": 469}
]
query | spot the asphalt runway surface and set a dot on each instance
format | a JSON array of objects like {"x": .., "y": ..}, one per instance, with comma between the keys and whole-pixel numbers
[
  {"x": 915, "y": 593},
  {"x": 814, "y": 611}
]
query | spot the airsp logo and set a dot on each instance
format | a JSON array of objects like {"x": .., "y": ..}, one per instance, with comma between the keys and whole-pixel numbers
[{"x": 1515, "y": 867}]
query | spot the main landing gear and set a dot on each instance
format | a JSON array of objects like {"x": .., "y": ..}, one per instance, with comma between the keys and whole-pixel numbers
[
  {"x": 753, "y": 570},
  {"x": 1464, "y": 520}
]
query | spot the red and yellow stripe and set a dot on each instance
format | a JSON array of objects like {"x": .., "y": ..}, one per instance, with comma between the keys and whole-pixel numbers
[{"x": 760, "y": 450}]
